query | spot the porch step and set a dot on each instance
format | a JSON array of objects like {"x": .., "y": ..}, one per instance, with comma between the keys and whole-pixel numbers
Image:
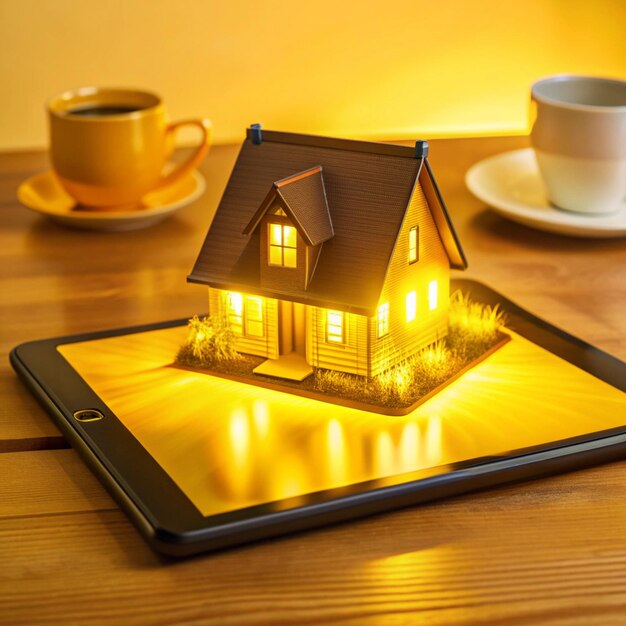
[{"x": 292, "y": 366}]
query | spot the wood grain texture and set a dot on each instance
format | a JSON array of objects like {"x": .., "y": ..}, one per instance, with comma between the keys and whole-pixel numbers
[
  {"x": 57, "y": 281},
  {"x": 518, "y": 555},
  {"x": 547, "y": 552},
  {"x": 48, "y": 482}
]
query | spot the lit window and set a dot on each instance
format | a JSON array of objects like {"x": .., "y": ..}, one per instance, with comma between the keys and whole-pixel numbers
[
  {"x": 432, "y": 295},
  {"x": 334, "y": 326},
  {"x": 234, "y": 307},
  {"x": 382, "y": 320},
  {"x": 245, "y": 315},
  {"x": 283, "y": 241},
  {"x": 254, "y": 316},
  {"x": 411, "y": 306},
  {"x": 413, "y": 245}
]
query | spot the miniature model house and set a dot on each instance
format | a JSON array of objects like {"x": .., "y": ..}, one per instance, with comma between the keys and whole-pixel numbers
[{"x": 330, "y": 253}]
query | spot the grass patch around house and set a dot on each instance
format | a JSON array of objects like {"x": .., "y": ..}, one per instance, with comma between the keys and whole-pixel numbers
[
  {"x": 474, "y": 329},
  {"x": 210, "y": 345}
]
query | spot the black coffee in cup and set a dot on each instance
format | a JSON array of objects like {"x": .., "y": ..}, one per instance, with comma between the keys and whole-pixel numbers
[{"x": 102, "y": 110}]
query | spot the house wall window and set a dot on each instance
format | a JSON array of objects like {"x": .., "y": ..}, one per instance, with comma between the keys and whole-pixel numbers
[
  {"x": 433, "y": 295},
  {"x": 335, "y": 327},
  {"x": 234, "y": 312},
  {"x": 253, "y": 316},
  {"x": 245, "y": 314},
  {"x": 283, "y": 243},
  {"x": 413, "y": 244},
  {"x": 411, "y": 306},
  {"x": 382, "y": 320}
]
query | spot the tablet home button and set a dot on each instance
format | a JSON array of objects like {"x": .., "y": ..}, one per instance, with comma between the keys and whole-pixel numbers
[{"x": 88, "y": 415}]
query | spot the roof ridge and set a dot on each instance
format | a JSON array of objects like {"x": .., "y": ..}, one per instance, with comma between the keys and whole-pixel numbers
[
  {"x": 297, "y": 176},
  {"x": 321, "y": 141}
]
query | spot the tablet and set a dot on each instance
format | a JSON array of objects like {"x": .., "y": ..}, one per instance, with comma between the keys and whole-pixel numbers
[{"x": 200, "y": 462}]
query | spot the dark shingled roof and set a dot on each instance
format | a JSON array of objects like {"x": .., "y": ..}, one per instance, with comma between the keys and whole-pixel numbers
[
  {"x": 304, "y": 198},
  {"x": 367, "y": 187}
]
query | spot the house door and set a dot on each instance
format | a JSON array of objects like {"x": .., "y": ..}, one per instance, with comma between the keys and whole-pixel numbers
[{"x": 292, "y": 336}]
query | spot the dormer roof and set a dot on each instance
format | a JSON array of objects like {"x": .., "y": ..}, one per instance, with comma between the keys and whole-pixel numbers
[{"x": 303, "y": 198}]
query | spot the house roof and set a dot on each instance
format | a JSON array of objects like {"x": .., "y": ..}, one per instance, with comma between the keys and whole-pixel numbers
[
  {"x": 304, "y": 199},
  {"x": 367, "y": 187}
]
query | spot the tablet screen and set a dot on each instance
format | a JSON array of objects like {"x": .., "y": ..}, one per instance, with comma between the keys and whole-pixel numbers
[{"x": 230, "y": 445}]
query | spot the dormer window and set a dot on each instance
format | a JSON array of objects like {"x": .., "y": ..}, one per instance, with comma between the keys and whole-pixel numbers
[
  {"x": 283, "y": 245},
  {"x": 291, "y": 225}
]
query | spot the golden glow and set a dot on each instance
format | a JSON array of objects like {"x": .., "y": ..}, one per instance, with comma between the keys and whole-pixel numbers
[
  {"x": 468, "y": 54},
  {"x": 334, "y": 326},
  {"x": 434, "y": 441},
  {"x": 283, "y": 243},
  {"x": 289, "y": 236},
  {"x": 245, "y": 315},
  {"x": 384, "y": 454},
  {"x": 395, "y": 380},
  {"x": 235, "y": 303},
  {"x": 382, "y": 320},
  {"x": 239, "y": 431},
  {"x": 411, "y": 306},
  {"x": 436, "y": 566},
  {"x": 254, "y": 317},
  {"x": 471, "y": 315},
  {"x": 436, "y": 354},
  {"x": 290, "y": 258},
  {"x": 276, "y": 255},
  {"x": 432, "y": 295},
  {"x": 234, "y": 307},
  {"x": 409, "y": 445},
  {"x": 230, "y": 445},
  {"x": 276, "y": 235},
  {"x": 413, "y": 254},
  {"x": 336, "y": 452},
  {"x": 261, "y": 417}
]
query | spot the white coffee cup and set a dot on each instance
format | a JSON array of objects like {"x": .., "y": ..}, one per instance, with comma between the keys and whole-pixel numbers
[{"x": 579, "y": 137}]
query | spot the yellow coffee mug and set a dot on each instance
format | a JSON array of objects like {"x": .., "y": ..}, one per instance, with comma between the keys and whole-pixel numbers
[{"x": 109, "y": 146}]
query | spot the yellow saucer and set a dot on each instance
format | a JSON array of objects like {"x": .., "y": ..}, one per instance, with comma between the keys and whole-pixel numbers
[{"x": 44, "y": 194}]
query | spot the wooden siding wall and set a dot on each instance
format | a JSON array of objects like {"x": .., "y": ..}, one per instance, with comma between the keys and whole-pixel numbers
[
  {"x": 350, "y": 357},
  {"x": 266, "y": 346},
  {"x": 405, "y": 338}
]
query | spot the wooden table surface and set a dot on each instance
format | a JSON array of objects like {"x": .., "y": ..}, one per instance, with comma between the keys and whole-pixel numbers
[{"x": 550, "y": 551}]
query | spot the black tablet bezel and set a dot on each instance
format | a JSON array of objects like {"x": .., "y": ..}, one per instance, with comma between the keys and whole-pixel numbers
[{"x": 172, "y": 523}]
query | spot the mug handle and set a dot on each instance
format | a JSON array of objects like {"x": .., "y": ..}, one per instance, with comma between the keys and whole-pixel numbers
[{"x": 195, "y": 159}]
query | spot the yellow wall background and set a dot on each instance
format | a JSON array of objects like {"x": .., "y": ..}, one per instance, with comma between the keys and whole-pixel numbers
[{"x": 392, "y": 69}]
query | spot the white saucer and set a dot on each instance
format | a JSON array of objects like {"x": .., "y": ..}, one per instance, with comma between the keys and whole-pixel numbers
[
  {"x": 44, "y": 194},
  {"x": 510, "y": 183}
]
